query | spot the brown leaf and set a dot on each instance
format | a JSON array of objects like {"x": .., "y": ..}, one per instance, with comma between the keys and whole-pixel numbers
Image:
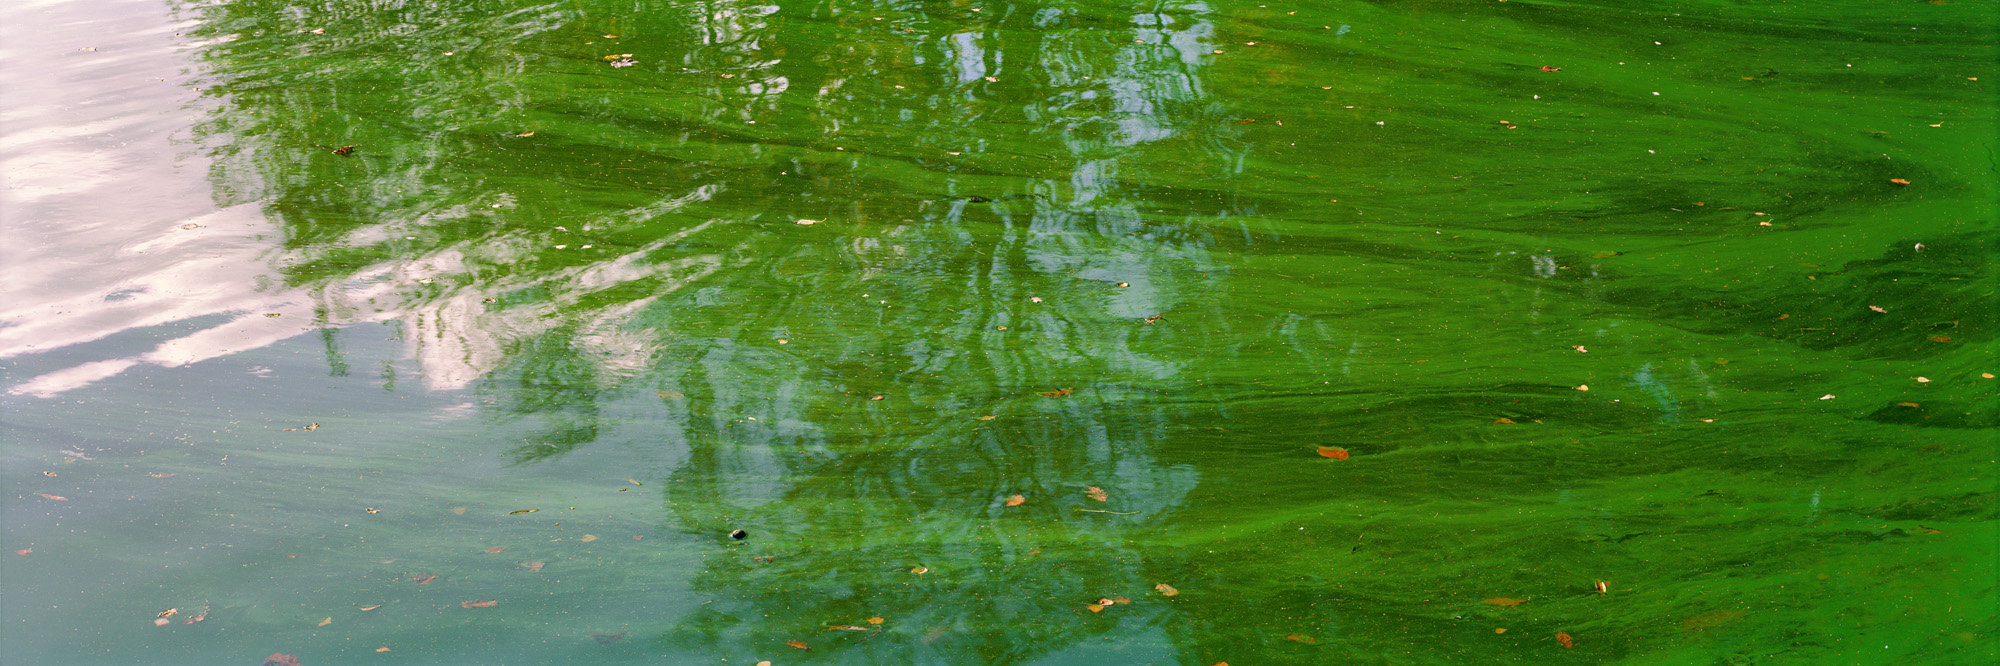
[
  {"x": 1563, "y": 637},
  {"x": 1333, "y": 452},
  {"x": 517, "y": 512},
  {"x": 1057, "y": 393},
  {"x": 1899, "y": 181},
  {"x": 326, "y": 622},
  {"x": 587, "y": 538},
  {"x": 167, "y": 612},
  {"x": 423, "y": 579},
  {"x": 1166, "y": 590},
  {"x": 478, "y": 604},
  {"x": 1016, "y": 500},
  {"x": 1302, "y": 638},
  {"x": 799, "y": 644},
  {"x": 1504, "y": 601},
  {"x": 1097, "y": 493},
  {"x": 921, "y": 570},
  {"x": 1094, "y": 608},
  {"x": 876, "y": 620},
  {"x": 1940, "y": 338},
  {"x": 495, "y": 550},
  {"x": 1908, "y": 404}
]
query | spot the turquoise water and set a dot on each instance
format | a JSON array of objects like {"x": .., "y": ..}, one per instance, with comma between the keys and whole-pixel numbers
[{"x": 974, "y": 316}]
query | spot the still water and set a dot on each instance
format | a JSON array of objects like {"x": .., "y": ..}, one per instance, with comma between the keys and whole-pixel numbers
[{"x": 1429, "y": 332}]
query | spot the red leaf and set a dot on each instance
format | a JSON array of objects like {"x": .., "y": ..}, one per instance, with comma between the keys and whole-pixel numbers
[
  {"x": 1899, "y": 181},
  {"x": 1547, "y": 68},
  {"x": 1940, "y": 338},
  {"x": 1564, "y": 638},
  {"x": 1333, "y": 452}
]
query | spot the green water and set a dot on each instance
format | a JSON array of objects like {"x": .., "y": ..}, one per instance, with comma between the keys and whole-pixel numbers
[{"x": 1660, "y": 318}]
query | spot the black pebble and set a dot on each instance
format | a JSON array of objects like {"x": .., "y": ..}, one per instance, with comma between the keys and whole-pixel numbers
[{"x": 739, "y": 535}]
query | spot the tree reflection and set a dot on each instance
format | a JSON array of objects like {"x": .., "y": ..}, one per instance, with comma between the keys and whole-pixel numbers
[{"x": 560, "y": 234}]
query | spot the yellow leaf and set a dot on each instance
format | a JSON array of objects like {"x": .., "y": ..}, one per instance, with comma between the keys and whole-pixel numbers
[
  {"x": 1166, "y": 590},
  {"x": 876, "y": 620},
  {"x": 326, "y": 622}
]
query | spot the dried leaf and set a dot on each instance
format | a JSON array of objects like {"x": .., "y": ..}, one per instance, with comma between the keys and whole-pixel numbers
[
  {"x": 1096, "y": 493},
  {"x": 169, "y": 476},
  {"x": 876, "y": 620},
  {"x": 478, "y": 604},
  {"x": 1016, "y": 500},
  {"x": 1057, "y": 393},
  {"x": 1166, "y": 590},
  {"x": 1302, "y": 638},
  {"x": 587, "y": 538},
  {"x": 370, "y": 608},
  {"x": 58, "y": 498},
  {"x": 1333, "y": 452},
  {"x": 521, "y": 511},
  {"x": 24, "y": 551},
  {"x": 1899, "y": 181},
  {"x": 167, "y": 612},
  {"x": 1908, "y": 404},
  {"x": 799, "y": 644},
  {"x": 344, "y": 150},
  {"x": 423, "y": 579},
  {"x": 1877, "y": 308},
  {"x": 1107, "y": 601},
  {"x": 1564, "y": 638},
  {"x": 1094, "y": 608},
  {"x": 1504, "y": 601},
  {"x": 495, "y": 550},
  {"x": 533, "y": 566},
  {"x": 384, "y": 648},
  {"x": 1940, "y": 338},
  {"x": 1547, "y": 68},
  {"x": 281, "y": 659},
  {"x": 525, "y": 134},
  {"x": 312, "y": 427},
  {"x": 988, "y": 417},
  {"x": 326, "y": 622},
  {"x": 847, "y": 627},
  {"x": 921, "y": 570},
  {"x": 1503, "y": 420}
]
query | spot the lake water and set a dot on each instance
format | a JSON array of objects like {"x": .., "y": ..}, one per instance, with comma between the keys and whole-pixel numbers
[{"x": 1428, "y": 332}]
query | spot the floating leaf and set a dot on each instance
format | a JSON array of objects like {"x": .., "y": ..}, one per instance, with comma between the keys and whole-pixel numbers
[
  {"x": 1094, "y": 608},
  {"x": 1166, "y": 590},
  {"x": 525, "y": 134},
  {"x": 1547, "y": 68},
  {"x": 1333, "y": 452},
  {"x": 1899, "y": 181},
  {"x": 458, "y": 511},
  {"x": 326, "y": 622},
  {"x": 635, "y": 482},
  {"x": 384, "y": 648},
  {"x": 58, "y": 498},
  {"x": 167, "y": 612},
  {"x": 1016, "y": 500},
  {"x": 876, "y": 620},
  {"x": 1096, "y": 493},
  {"x": 281, "y": 659},
  {"x": 1057, "y": 393},
  {"x": 1908, "y": 404},
  {"x": 312, "y": 427},
  {"x": 1504, "y": 601},
  {"x": 423, "y": 579},
  {"x": 1564, "y": 638},
  {"x": 1877, "y": 308},
  {"x": 1302, "y": 638},
  {"x": 799, "y": 644},
  {"x": 24, "y": 551},
  {"x": 344, "y": 150},
  {"x": 587, "y": 538},
  {"x": 369, "y": 608},
  {"x": 169, "y": 476},
  {"x": 921, "y": 570},
  {"x": 521, "y": 511},
  {"x": 1940, "y": 338},
  {"x": 1503, "y": 420},
  {"x": 847, "y": 627},
  {"x": 988, "y": 417},
  {"x": 495, "y": 550},
  {"x": 478, "y": 604},
  {"x": 533, "y": 566}
]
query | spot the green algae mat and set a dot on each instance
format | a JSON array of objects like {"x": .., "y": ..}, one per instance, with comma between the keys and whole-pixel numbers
[{"x": 1037, "y": 333}]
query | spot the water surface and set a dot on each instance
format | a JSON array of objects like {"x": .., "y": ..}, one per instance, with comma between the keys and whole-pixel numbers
[{"x": 974, "y": 316}]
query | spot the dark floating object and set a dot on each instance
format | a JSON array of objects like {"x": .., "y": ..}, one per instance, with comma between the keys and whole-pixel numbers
[
  {"x": 739, "y": 535},
  {"x": 344, "y": 150},
  {"x": 978, "y": 199}
]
